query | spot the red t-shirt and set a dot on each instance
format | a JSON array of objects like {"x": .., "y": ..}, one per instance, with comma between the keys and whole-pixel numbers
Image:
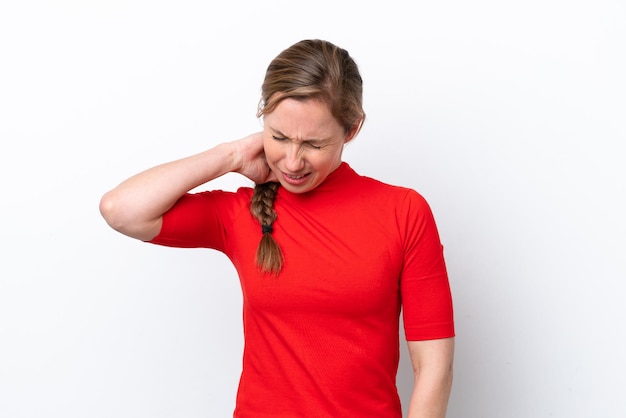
[{"x": 322, "y": 338}]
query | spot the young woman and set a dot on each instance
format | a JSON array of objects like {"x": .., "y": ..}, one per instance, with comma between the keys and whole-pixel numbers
[{"x": 327, "y": 258}]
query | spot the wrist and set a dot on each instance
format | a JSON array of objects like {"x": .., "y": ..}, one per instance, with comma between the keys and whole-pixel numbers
[{"x": 230, "y": 156}]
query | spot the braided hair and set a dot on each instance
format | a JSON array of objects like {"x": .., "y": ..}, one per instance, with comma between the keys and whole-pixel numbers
[
  {"x": 269, "y": 257},
  {"x": 309, "y": 69}
]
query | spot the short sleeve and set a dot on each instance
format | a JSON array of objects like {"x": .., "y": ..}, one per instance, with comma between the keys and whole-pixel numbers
[
  {"x": 201, "y": 219},
  {"x": 425, "y": 289}
]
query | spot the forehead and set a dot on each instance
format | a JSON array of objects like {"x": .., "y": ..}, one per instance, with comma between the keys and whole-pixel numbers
[{"x": 303, "y": 119}]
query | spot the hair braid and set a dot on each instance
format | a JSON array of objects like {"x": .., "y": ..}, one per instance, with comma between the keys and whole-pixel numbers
[
  {"x": 269, "y": 257},
  {"x": 309, "y": 69}
]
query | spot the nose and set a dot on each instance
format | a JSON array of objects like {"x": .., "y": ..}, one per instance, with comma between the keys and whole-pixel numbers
[{"x": 293, "y": 158}]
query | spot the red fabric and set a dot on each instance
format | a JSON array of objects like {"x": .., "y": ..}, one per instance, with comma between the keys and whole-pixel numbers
[{"x": 321, "y": 339}]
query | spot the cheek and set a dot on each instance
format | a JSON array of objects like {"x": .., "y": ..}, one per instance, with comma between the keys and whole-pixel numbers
[
  {"x": 329, "y": 159},
  {"x": 268, "y": 149},
  {"x": 272, "y": 156}
]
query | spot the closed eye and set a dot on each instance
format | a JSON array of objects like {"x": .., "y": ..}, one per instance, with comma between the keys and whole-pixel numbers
[{"x": 310, "y": 144}]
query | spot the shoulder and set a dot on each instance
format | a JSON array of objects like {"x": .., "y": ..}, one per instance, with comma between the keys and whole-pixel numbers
[
  {"x": 404, "y": 205},
  {"x": 396, "y": 193}
]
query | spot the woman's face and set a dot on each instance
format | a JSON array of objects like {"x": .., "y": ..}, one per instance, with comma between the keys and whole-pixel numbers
[{"x": 303, "y": 143}]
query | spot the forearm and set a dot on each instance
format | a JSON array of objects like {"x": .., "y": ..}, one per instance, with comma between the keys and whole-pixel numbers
[
  {"x": 136, "y": 206},
  {"x": 432, "y": 362},
  {"x": 430, "y": 394}
]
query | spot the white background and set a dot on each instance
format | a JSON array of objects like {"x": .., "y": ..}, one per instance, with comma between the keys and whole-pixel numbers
[{"x": 508, "y": 116}]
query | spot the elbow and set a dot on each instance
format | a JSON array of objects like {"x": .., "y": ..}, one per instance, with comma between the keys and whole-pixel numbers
[
  {"x": 443, "y": 375},
  {"x": 124, "y": 216},
  {"x": 110, "y": 211}
]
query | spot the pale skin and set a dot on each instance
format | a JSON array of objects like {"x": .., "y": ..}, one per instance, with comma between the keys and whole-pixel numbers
[
  {"x": 432, "y": 370},
  {"x": 301, "y": 143},
  {"x": 136, "y": 206}
]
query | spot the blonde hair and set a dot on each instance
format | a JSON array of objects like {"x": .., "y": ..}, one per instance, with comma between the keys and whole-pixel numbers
[{"x": 309, "y": 69}]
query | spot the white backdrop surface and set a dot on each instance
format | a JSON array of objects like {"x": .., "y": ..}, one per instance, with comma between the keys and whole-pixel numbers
[{"x": 507, "y": 116}]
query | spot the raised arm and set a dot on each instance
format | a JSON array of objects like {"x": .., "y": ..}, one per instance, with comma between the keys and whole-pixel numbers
[
  {"x": 136, "y": 206},
  {"x": 432, "y": 366}
]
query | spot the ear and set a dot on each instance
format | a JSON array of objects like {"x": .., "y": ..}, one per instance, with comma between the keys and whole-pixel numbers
[{"x": 354, "y": 130}]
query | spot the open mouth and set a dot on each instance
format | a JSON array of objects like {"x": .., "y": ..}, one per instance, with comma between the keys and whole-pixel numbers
[{"x": 295, "y": 180}]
